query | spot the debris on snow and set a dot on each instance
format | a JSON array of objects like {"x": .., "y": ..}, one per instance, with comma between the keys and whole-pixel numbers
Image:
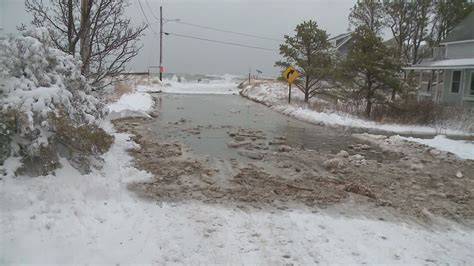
[
  {"x": 334, "y": 163},
  {"x": 343, "y": 154}
]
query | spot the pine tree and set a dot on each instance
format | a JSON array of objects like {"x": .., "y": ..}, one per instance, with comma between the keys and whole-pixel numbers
[
  {"x": 368, "y": 13},
  {"x": 308, "y": 52},
  {"x": 370, "y": 69}
]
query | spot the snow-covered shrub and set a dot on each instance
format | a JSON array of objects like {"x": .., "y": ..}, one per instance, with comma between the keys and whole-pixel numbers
[
  {"x": 38, "y": 83},
  {"x": 6, "y": 131}
]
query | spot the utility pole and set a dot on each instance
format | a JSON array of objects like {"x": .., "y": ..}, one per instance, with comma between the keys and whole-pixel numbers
[{"x": 161, "y": 43}]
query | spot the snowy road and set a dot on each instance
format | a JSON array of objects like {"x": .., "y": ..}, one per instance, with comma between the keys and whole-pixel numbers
[{"x": 72, "y": 218}]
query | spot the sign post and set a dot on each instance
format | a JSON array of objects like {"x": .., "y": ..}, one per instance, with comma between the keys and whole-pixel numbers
[
  {"x": 289, "y": 92},
  {"x": 290, "y": 74}
]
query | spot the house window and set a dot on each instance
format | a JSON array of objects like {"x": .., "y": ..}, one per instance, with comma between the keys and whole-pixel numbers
[
  {"x": 471, "y": 87},
  {"x": 456, "y": 82}
]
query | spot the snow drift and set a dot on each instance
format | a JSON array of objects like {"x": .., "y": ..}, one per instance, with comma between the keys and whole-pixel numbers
[{"x": 136, "y": 104}]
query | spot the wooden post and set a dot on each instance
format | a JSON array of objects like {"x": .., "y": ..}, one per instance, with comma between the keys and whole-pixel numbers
[
  {"x": 249, "y": 78},
  {"x": 289, "y": 93}
]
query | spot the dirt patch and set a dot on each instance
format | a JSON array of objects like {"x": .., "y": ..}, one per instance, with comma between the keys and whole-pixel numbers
[{"x": 407, "y": 179}]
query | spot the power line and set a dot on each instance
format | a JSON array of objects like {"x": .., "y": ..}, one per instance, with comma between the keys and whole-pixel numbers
[
  {"x": 228, "y": 31},
  {"x": 146, "y": 19},
  {"x": 217, "y": 41},
  {"x": 151, "y": 10}
]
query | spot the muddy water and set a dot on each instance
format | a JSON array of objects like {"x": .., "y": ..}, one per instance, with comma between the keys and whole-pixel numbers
[{"x": 203, "y": 122}]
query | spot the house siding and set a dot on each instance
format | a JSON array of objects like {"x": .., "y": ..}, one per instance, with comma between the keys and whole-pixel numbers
[
  {"x": 344, "y": 49},
  {"x": 460, "y": 50},
  {"x": 449, "y": 97},
  {"x": 468, "y": 104}
]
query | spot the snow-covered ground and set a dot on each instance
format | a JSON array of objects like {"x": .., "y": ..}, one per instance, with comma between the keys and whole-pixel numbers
[
  {"x": 463, "y": 149},
  {"x": 72, "y": 218},
  {"x": 276, "y": 95},
  {"x": 136, "y": 103}
]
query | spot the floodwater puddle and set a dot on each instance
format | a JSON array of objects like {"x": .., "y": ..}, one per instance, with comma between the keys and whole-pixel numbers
[{"x": 204, "y": 122}]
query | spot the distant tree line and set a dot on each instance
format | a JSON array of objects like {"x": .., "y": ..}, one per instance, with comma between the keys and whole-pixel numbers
[{"x": 372, "y": 70}]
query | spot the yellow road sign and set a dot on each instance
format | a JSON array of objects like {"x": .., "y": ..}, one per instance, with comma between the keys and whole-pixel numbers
[{"x": 290, "y": 74}]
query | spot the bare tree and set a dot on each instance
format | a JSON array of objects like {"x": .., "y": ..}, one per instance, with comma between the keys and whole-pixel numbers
[
  {"x": 98, "y": 29},
  {"x": 399, "y": 19},
  {"x": 447, "y": 15},
  {"x": 422, "y": 12}
]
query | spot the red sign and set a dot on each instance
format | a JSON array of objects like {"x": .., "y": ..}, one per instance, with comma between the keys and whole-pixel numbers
[{"x": 162, "y": 69}]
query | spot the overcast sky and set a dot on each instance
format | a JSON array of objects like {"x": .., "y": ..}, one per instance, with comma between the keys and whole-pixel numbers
[{"x": 257, "y": 17}]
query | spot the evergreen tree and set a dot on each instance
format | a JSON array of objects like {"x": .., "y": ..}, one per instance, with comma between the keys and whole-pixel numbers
[
  {"x": 370, "y": 69},
  {"x": 368, "y": 13},
  {"x": 308, "y": 52}
]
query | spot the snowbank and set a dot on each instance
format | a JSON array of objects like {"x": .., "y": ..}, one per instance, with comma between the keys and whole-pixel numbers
[
  {"x": 131, "y": 104},
  {"x": 334, "y": 119},
  {"x": 463, "y": 149},
  {"x": 275, "y": 95}
]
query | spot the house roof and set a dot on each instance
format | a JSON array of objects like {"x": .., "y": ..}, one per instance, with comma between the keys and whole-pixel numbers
[
  {"x": 429, "y": 64},
  {"x": 463, "y": 31},
  {"x": 390, "y": 42},
  {"x": 340, "y": 40},
  {"x": 340, "y": 36}
]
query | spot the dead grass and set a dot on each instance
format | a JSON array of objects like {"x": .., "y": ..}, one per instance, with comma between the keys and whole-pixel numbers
[
  {"x": 127, "y": 83},
  {"x": 422, "y": 113},
  {"x": 120, "y": 89}
]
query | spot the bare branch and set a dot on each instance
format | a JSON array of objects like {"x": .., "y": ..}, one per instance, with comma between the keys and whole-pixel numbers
[{"x": 108, "y": 40}]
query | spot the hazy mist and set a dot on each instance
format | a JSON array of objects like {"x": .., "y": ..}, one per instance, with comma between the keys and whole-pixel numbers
[{"x": 264, "y": 18}]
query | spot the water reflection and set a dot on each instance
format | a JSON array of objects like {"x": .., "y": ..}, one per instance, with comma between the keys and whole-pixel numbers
[{"x": 219, "y": 114}]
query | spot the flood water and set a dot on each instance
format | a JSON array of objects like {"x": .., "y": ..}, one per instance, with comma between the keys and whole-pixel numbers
[{"x": 216, "y": 115}]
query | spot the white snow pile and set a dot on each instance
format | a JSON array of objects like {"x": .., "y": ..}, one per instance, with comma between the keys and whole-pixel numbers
[
  {"x": 38, "y": 81},
  {"x": 69, "y": 218},
  {"x": 225, "y": 84},
  {"x": 275, "y": 95},
  {"x": 462, "y": 148},
  {"x": 135, "y": 104}
]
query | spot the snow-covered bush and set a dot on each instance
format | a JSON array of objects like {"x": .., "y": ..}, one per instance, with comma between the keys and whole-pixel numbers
[{"x": 37, "y": 84}]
